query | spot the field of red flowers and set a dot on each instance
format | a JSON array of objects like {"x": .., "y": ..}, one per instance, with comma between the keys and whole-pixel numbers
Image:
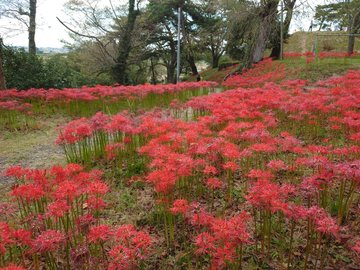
[
  {"x": 264, "y": 175},
  {"x": 18, "y": 108}
]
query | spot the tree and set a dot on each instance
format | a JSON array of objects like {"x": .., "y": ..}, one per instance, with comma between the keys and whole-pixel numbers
[
  {"x": 119, "y": 69},
  {"x": 164, "y": 16},
  {"x": 353, "y": 11},
  {"x": 213, "y": 29},
  {"x": 250, "y": 29},
  {"x": 2, "y": 75},
  {"x": 267, "y": 16},
  {"x": 340, "y": 15},
  {"x": 23, "y": 11},
  {"x": 289, "y": 6},
  {"x": 113, "y": 32},
  {"x": 330, "y": 16}
]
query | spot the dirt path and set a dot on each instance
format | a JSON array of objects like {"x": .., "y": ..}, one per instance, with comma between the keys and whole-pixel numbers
[
  {"x": 303, "y": 44},
  {"x": 35, "y": 149}
]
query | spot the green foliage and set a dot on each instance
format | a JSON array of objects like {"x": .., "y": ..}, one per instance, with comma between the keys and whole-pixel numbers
[
  {"x": 331, "y": 16},
  {"x": 23, "y": 71},
  {"x": 335, "y": 16}
]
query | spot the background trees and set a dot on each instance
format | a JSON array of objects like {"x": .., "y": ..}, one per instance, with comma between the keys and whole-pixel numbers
[
  {"x": 135, "y": 41},
  {"x": 338, "y": 16}
]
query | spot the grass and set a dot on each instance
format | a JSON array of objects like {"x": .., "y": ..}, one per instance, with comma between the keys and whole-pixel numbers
[
  {"x": 304, "y": 41},
  {"x": 214, "y": 74},
  {"x": 319, "y": 69},
  {"x": 35, "y": 148}
]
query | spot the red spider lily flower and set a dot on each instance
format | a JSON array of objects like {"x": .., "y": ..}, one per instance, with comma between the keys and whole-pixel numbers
[
  {"x": 231, "y": 166},
  {"x": 75, "y": 131},
  {"x": 313, "y": 162},
  {"x": 295, "y": 212},
  {"x": 141, "y": 242},
  {"x": 266, "y": 195},
  {"x": 124, "y": 233},
  {"x": 323, "y": 222},
  {"x": 95, "y": 203},
  {"x": 99, "y": 121},
  {"x": 355, "y": 137},
  {"x": 15, "y": 171},
  {"x": 22, "y": 237},
  {"x": 122, "y": 258},
  {"x": 205, "y": 243},
  {"x": 120, "y": 123},
  {"x": 230, "y": 151},
  {"x": 223, "y": 239},
  {"x": 348, "y": 171},
  {"x": 73, "y": 168},
  {"x": 28, "y": 192},
  {"x": 319, "y": 181},
  {"x": 259, "y": 174},
  {"x": 132, "y": 246},
  {"x": 288, "y": 190},
  {"x": 67, "y": 190},
  {"x": 57, "y": 209},
  {"x": 99, "y": 233},
  {"x": 214, "y": 183},
  {"x": 97, "y": 188},
  {"x": 202, "y": 218},
  {"x": 210, "y": 170},
  {"x": 180, "y": 206},
  {"x": 276, "y": 165},
  {"x": 262, "y": 147},
  {"x": 49, "y": 240},
  {"x": 163, "y": 180},
  {"x": 5, "y": 237}
]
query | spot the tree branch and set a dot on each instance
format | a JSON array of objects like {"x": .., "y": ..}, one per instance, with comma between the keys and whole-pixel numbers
[{"x": 87, "y": 36}]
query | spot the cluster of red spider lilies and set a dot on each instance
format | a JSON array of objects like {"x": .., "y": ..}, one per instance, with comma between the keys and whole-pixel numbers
[
  {"x": 267, "y": 173},
  {"x": 58, "y": 223},
  {"x": 17, "y": 108}
]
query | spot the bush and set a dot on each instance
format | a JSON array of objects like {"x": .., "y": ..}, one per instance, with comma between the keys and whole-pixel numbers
[{"x": 23, "y": 71}]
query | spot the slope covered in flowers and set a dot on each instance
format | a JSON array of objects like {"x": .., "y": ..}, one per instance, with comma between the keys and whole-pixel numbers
[{"x": 265, "y": 175}]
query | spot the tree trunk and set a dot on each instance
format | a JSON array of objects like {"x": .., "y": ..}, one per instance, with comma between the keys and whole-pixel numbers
[
  {"x": 275, "y": 51},
  {"x": 215, "y": 60},
  {"x": 190, "y": 59},
  {"x": 120, "y": 68},
  {"x": 189, "y": 52},
  {"x": 2, "y": 76},
  {"x": 170, "y": 72},
  {"x": 289, "y": 7},
  {"x": 152, "y": 69},
  {"x": 354, "y": 25},
  {"x": 32, "y": 26},
  {"x": 351, "y": 45},
  {"x": 267, "y": 17}
]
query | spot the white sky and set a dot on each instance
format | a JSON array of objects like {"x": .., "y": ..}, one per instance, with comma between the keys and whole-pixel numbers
[{"x": 50, "y": 32}]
